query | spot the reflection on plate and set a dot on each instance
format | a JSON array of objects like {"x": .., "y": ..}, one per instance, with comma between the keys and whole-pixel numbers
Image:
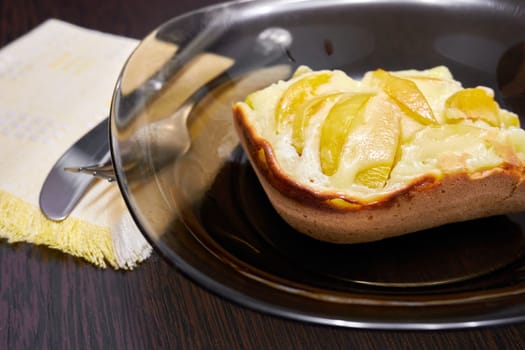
[{"x": 194, "y": 195}]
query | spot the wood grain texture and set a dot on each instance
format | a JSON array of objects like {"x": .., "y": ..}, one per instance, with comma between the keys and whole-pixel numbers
[{"x": 52, "y": 301}]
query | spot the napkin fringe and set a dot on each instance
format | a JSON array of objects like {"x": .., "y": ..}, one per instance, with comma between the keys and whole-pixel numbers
[
  {"x": 128, "y": 242},
  {"x": 22, "y": 222}
]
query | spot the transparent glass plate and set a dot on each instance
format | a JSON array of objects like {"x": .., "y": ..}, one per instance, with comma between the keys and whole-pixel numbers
[{"x": 194, "y": 195}]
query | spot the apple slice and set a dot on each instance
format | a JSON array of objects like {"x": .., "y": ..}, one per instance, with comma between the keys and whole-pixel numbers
[
  {"x": 296, "y": 95},
  {"x": 336, "y": 128},
  {"x": 376, "y": 152},
  {"x": 474, "y": 104},
  {"x": 301, "y": 120},
  {"x": 407, "y": 95}
]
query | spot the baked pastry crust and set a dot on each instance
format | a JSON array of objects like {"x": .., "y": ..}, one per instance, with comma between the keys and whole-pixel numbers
[{"x": 427, "y": 200}]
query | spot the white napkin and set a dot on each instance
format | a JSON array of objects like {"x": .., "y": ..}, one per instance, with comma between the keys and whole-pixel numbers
[{"x": 56, "y": 83}]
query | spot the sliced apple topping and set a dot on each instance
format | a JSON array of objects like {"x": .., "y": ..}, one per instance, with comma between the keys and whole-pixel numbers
[
  {"x": 379, "y": 146},
  {"x": 296, "y": 95},
  {"x": 474, "y": 104},
  {"x": 508, "y": 119},
  {"x": 301, "y": 120},
  {"x": 331, "y": 131},
  {"x": 335, "y": 130},
  {"x": 405, "y": 93}
]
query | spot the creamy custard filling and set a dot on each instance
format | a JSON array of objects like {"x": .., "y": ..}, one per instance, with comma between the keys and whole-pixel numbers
[{"x": 366, "y": 138}]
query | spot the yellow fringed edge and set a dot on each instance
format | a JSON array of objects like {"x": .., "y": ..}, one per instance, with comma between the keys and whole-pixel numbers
[{"x": 22, "y": 222}]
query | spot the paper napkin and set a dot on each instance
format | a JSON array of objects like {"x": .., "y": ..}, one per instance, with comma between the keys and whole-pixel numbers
[{"x": 56, "y": 83}]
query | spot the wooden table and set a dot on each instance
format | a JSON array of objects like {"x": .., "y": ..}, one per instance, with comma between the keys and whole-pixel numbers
[{"x": 52, "y": 301}]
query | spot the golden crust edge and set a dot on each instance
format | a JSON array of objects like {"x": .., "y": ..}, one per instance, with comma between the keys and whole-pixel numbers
[{"x": 496, "y": 191}]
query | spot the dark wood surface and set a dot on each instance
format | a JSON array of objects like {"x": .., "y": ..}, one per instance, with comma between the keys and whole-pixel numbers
[{"x": 52, "y": 301}]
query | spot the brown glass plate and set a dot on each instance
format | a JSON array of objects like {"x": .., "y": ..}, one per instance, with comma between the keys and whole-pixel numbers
[{"x": 194, "y": 195}]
